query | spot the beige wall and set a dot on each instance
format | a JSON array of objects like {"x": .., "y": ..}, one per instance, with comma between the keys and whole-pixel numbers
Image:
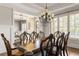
[
  {"x": 5, "y": 25},
  {"x": 5, "y": 16}
]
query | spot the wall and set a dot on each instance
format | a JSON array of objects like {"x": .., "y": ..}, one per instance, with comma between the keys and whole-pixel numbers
[
  {"x": 6, "y": 30},
  {"x": 5, "y": 16},
  {"x": 5, "y": 25},
  {"x": 46, "y": 29},
  {"x": 73, "y": 42}
]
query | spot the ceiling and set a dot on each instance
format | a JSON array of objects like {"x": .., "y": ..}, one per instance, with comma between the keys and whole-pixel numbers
[
  {"x": 36, "y": 8},
  {"x": 50, "y": 5}
]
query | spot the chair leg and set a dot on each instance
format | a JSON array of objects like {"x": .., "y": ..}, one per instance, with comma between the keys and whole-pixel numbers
[
  {"x": 42, "y": 52},
  {"x": 66, "y": 52},
  {"x": 23, "y": 42},
  {"x": 60, "y": 53},
  {"x": 46, "y": 54},
  {"x": 63, "y": 52}
]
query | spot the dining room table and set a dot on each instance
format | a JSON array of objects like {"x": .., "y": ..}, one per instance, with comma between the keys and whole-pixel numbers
[{"x": 30, "y": 48}]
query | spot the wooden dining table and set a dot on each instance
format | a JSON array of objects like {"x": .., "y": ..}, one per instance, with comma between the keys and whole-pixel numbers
[{"x": 32, "y": 47}]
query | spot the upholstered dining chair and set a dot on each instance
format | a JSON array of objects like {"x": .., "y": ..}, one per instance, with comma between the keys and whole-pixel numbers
[
  {"x": 56, "y": 35},
  {"x": 55, "y": 47},
  {"x": 34, "y": 35},
  {"x": 42, "y": 45},
  {"x": 59, "y": 42},
  {"x": 25, "y": 38},
  {"x": 10, "y": 51},
  {"x": 50, "y": 49},
  {"x": 41, "y": 35},
  {"x": 64, "y": 47},
  {"x": 66, "y": 43}
]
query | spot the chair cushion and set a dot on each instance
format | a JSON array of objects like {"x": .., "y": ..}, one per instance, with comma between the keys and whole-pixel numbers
[{"x": 28, "y": 54}]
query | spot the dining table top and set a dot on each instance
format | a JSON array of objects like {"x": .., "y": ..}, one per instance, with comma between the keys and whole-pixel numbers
[{"x": 29, "y": 47}]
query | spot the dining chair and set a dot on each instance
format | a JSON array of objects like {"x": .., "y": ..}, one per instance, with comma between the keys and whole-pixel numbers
[
  {"x": 10, "y": 51},
  {"x": 64, "y": 45},
  {"x": 60, "y": 42},
  {"x": 55, "y": 47},
  {"x": 41, "y": 34},
  {"x": 25, "y": 38},
  {"x": 56, "y": 35},
  {"x": 50, "y": 49},
  {"x": 42, "y": 45},
  {"x": 34, "y": 35}
]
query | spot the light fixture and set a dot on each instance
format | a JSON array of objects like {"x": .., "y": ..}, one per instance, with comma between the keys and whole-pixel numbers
[{"x": 46, "y": 16}]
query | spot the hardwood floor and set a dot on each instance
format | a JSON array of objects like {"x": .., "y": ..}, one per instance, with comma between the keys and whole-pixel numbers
[{"x": 71, "y": 51}]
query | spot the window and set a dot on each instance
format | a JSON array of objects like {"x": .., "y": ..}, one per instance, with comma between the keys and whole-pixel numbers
[
  {"x": 63, "y": 24},
  {"x": 66, "y": 23},
  {"x": 54, "y": 25},
  {"x": 77, "y": 25},
  {"x": 74, "y": 25}
]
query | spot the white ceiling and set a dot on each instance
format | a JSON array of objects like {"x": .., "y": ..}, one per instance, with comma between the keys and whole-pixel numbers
[
  {"x": 36, "y": 8},
  {"x": 52, "y": 5}
]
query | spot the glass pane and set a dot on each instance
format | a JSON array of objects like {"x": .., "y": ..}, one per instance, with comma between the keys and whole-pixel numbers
[
  {"x": 72, "y": 32},
  {"x": 54, "y": 24},
  {"x": 63, "y": 24},
  {"x": 76, "y": 25}
]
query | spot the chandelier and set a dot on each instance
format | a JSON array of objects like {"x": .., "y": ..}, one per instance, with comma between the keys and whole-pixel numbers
[{"x": 46, "y": 16}]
